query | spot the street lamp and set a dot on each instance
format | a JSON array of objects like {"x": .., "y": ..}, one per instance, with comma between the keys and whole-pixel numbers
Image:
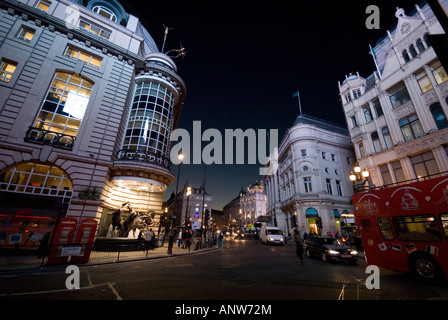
[
  {"x": 187, "y": 216},
  {"x": 359, "y": 178},
  {"x": 180, "y": 156}
]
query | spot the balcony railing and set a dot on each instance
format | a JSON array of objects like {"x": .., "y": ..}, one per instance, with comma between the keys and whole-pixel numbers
[
  {"x": 148, "y": 157},
  {"x": 51, "y": 138}
]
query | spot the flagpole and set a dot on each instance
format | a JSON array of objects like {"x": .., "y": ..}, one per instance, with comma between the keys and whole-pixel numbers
[
  {"x": 298, "y": 98},
  {"x": 372, "y": 52}
]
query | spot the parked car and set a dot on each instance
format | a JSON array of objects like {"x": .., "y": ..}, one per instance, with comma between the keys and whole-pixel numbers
[
  {"x": 238, "y": 235},
  {"x": 328, "y": 248}
]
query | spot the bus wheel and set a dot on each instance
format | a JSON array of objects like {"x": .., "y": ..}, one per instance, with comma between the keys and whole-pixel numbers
[{"x": 425, "y": 267}]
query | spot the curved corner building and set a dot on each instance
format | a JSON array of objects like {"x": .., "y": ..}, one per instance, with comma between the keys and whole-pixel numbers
[{"x": 87, "y": 105}]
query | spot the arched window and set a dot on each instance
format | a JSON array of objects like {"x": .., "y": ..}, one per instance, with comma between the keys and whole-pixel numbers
[
  {"x": 420, "y": 46},
  {"x": 387, "y": 138},
  {"x": 406, "y": 56},
  {"x": 438, "y": 115},
  {"x": 105, "y": 12},
  {"x": 36, "y": 178},
  {"x": 311, "y": 213},
  {"x": 376, "y": 142},
  {"x": 413, "y": 51}
]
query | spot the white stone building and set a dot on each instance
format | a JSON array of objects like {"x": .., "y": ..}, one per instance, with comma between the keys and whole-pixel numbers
[
  {"x": 397, "y": 117},
  {"x": 87, "y": 105},
  {"x": 253, "y": 203},
  {"x": 314, "y": 161}
]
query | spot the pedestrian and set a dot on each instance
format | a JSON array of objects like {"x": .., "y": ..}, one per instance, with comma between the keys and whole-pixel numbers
[
  {"x": 220, "y": 238},
  {"x": 299, "y": 245},
  {"x": 149, "y": 235},
  {"x": 141, "y": 240},
  {"x": 256, "y": 235},
  {"x": 161, "y": 238},
  {"x": 179, "y": 238},
  {"x": 170, "y": 236},
  {"x": 43, "y": 246}
]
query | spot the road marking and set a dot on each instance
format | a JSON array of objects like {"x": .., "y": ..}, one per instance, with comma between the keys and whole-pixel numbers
[
  {"x": 114, "y": 291},
  {"x": 179, "y": 265}
]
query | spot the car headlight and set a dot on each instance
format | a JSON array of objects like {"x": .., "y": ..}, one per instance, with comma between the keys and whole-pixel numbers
[
  {"x": 354, "y": 252},
  {"x": 333, "y": 252}
]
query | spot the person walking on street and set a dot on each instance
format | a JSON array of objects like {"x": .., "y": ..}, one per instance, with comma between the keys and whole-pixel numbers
[
  {"x": 299, "y": 245},
  {"x": 148, "y": 240},
  {"x": 170, "y": 236}
]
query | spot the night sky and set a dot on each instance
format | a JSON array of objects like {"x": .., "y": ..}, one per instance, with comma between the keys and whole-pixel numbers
[{"x": 245, "y": 59}]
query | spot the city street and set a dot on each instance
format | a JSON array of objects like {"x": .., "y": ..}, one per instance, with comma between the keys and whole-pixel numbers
[{"x": 240, "y": 270}]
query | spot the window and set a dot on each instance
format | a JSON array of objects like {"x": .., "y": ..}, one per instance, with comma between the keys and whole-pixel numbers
[
  {"x": 424, "y": 164},
  {"x": 307, "y": 185},
  {"x": 385, "y": 229},
  {"x": 399, "y": 95},
  {"x": 149, "y": 123},
  {"x": 423, "y": 81},
  {"x": 376, "y": 142},
  {"x": 338, "y": 188},
  {"x": 439, "y": 116},
  {"x": 411, "y": 128},
  {"x": 65, "y": 104},
  {"x": 444, "y": 220},
  {"x": 398, "y": 171},
  {"x": 36, "y": 178},
  {"x": 377, "y": 107},
  {"x": 82, "y": 55},
  {"x": 7, "y": 69},
  {"x": 412, "y": 51},
  {"x": 387, "y": 138},
  {"x": 405, "y": 55},
  {"x": 324, "y": 155},
  {"x": 105, "y": 12},
  {"x": 43, "y": 5},
  {"x": 354, "y": 123},
  {"x": 385, "y": 174},
  {"x": 328, "y": 183},
  {"x": 417, "y": 228},
  {"x": 367, "y": 113},
  {"x": 303, "y": 152},
  {"x": 420, "y": 46},
  {"x": 356, "y": 93},
  {"x": 439, "y": 72},
  {"x": 362, "y": 152},
  {"x": 25, "y": 34},
  {"x": 333, "y": 157},
  {"x": 94, "y": 29}
]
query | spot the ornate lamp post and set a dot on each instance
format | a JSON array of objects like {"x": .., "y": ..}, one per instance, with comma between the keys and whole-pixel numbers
[
  {"x": 180, "y": 156},
  {"x": 359, "y": 179},
  {"x": 187, "y": 216}
]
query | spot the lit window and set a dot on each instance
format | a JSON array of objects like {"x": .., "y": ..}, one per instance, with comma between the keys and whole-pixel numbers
[
  {"x": 36, "y": 178},
  {"x": 25, "y": 34},
  {"x": 423, "y": 81},
  {"x": 411, "y": 128},
  {"x": 94, "y": 29},
  {"x": 399, "y": 95},
  {"x": 63, "y": 109},
  {"x": 439, "y": 72},
  {"x": 43, "y": 5},
  {"x": 82, "y": 55},
  {"x": 7, "y": 68},
  {"x": 105, "y": 12}
]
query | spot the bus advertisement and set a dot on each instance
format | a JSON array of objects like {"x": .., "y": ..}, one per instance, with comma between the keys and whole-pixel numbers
[{"x": 405, "y": 228}]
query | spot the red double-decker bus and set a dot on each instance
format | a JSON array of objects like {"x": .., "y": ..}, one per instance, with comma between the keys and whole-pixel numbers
[{"x": 405, "y": 228}]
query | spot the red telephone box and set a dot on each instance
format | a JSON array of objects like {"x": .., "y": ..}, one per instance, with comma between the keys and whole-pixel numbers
[
  {"x": 85, "y": 238},
  {"x": 64, "y": 236}
]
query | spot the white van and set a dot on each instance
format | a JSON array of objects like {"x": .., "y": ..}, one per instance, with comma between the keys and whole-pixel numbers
[{"x": 271, "y": 235}]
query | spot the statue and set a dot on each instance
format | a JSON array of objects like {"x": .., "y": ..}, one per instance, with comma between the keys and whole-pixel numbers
[
  {"x": 400, "y": 13},
  {"x": 135, "y": 220}
]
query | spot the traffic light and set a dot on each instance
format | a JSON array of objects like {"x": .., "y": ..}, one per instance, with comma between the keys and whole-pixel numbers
[{"x": 319, "y": 222}]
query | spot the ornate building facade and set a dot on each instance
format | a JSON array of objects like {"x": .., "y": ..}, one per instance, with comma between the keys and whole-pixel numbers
[
  {"x": 87, "y": 105},
  {"x": 314, "y": 161},
  {"x": 397, "y": 117}
]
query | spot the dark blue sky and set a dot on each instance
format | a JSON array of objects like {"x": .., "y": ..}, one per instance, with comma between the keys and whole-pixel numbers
[{"x": 245, "y": 59}]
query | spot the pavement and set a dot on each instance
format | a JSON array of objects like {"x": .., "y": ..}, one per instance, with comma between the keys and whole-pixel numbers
[{"x": 22, "y": 263}]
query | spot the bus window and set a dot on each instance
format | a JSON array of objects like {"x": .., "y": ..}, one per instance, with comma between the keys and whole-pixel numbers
[
  {"x": 417, "y": 228},
  {"x": 444, "y": 219},
  {"x": 385, "y": 229}
]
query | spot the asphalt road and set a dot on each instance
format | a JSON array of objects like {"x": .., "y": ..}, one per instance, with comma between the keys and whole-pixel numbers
[{"x": 240, "y": 271}]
